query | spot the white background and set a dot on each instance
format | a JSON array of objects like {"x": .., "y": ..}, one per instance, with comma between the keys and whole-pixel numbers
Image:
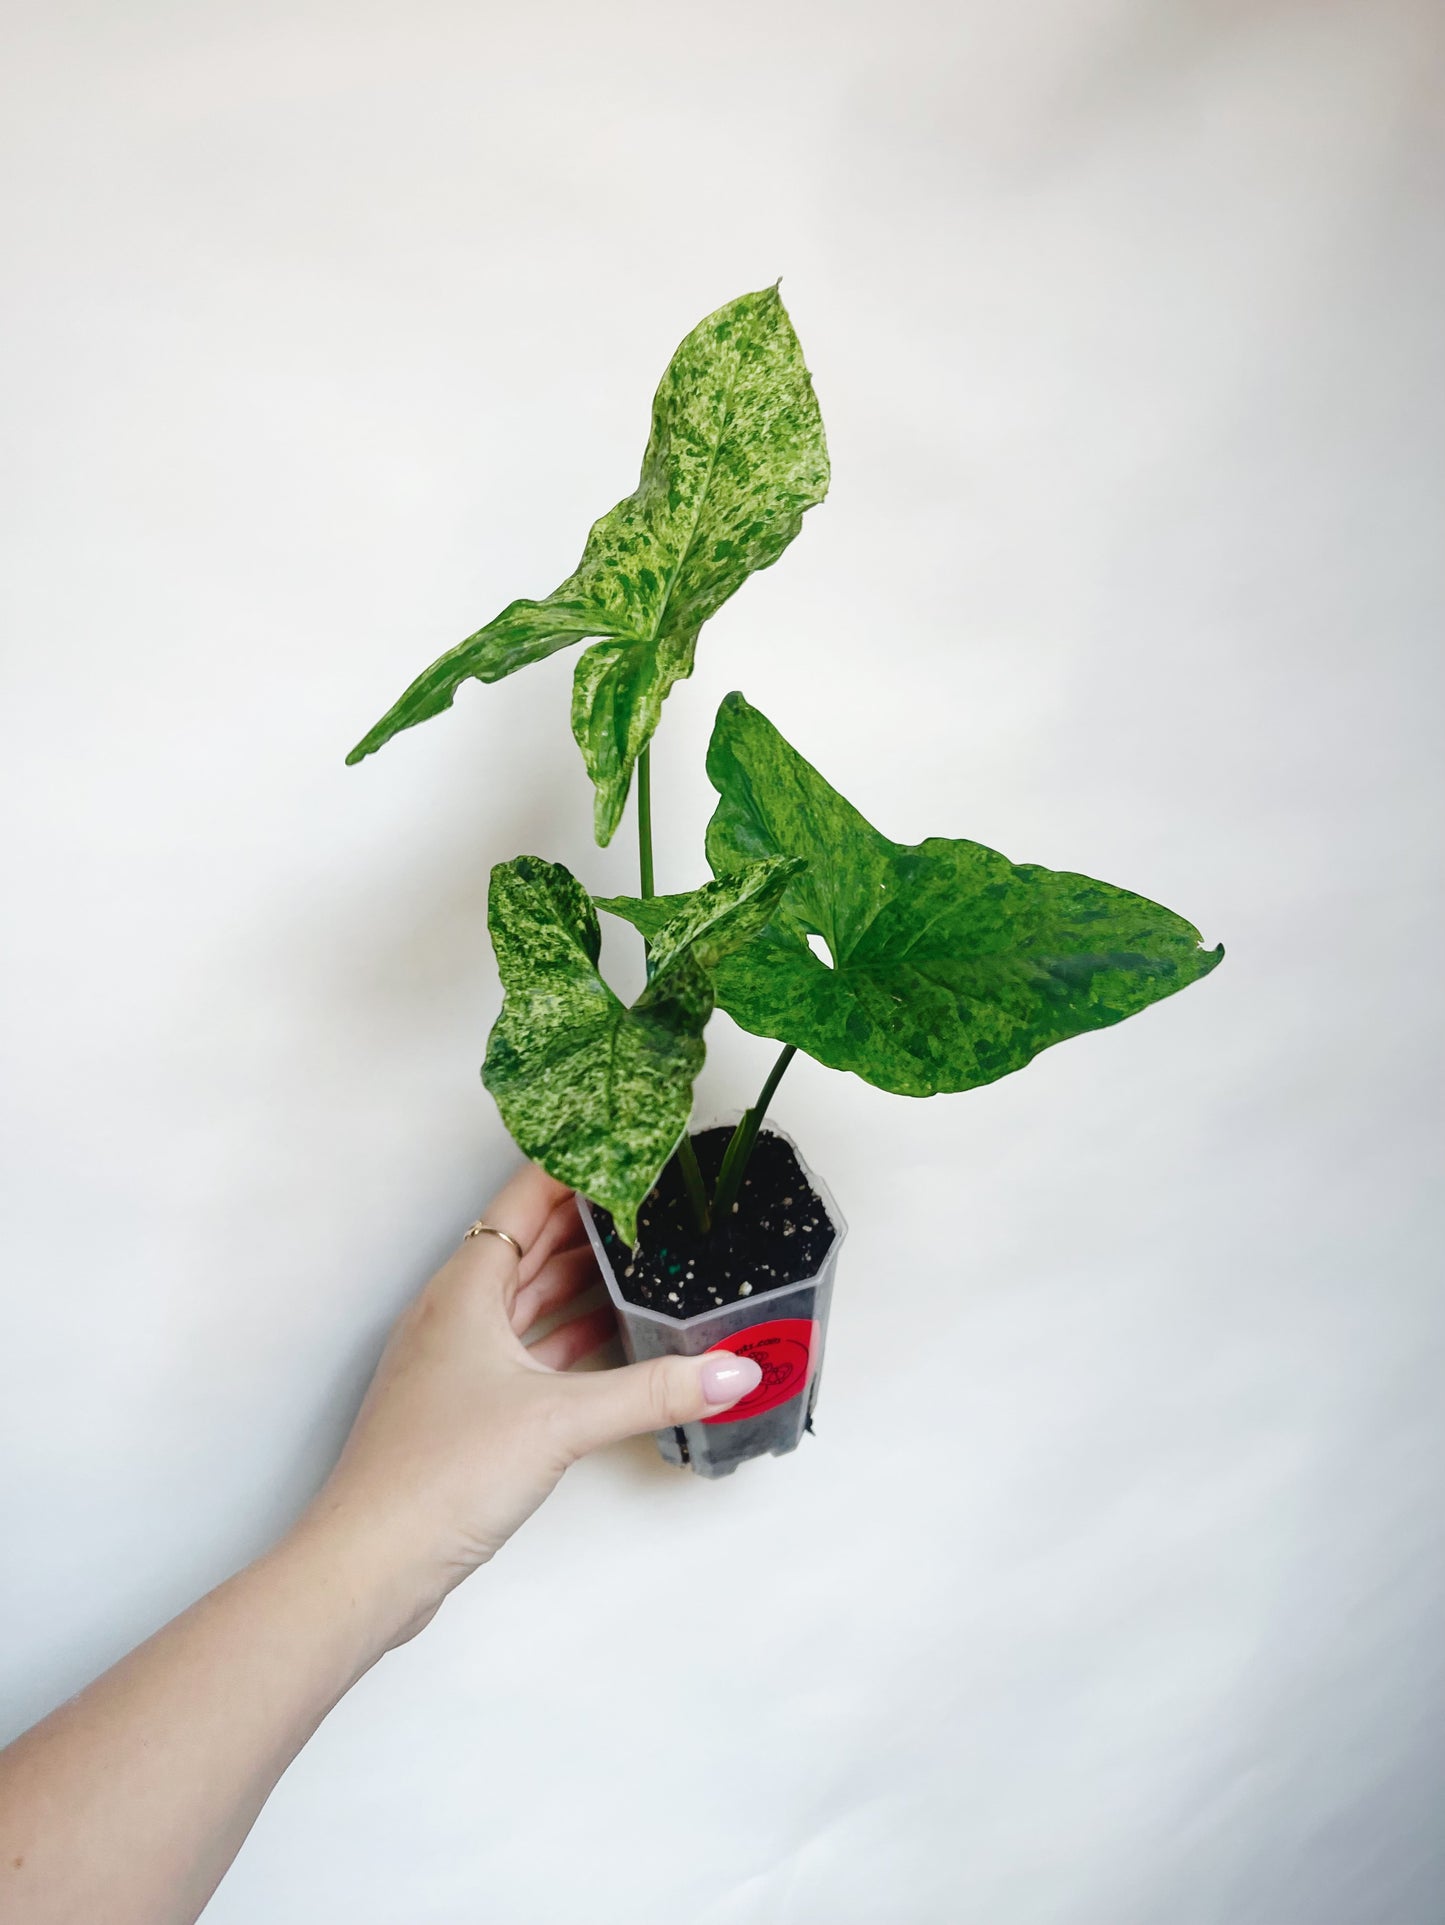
[{"x": 1109, "y": 1592}]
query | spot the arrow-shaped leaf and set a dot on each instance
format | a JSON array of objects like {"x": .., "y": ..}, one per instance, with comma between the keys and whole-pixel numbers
[
  {"x": 597, "y": 1093},
  {"x": 951, "y": 966},
  {"x": 714, "y": 920},
  {"x": 736, "y": 455}
]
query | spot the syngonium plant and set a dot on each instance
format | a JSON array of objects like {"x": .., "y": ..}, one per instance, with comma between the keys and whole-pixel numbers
[{"x": 949, "y": 966}]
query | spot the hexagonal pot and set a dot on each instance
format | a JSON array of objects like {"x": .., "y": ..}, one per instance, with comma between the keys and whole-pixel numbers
[{"x": 783, "y": 1328}]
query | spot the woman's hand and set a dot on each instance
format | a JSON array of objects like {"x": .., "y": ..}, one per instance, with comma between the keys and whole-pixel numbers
[
  {"x": 466, "y": 1429},
  {"x": 128, "y": 1803}
]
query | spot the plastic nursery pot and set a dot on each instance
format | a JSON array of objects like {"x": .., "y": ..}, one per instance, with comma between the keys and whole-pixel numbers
[{"x": 783, "y": 1328}]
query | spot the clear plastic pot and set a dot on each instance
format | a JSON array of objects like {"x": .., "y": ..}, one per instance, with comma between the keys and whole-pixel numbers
[{"x": 784, "y": 1329}]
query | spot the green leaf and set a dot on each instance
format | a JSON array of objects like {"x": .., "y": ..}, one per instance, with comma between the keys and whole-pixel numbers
[
  {"x": 597, "y": 1093},
  {"x": 648, "y": 914},
  {"x": 735, "y": 458},
  {"x": 951, "y": 966},
  {"x": 714, "y": 920},
  {"x": 524, "y": 632}
]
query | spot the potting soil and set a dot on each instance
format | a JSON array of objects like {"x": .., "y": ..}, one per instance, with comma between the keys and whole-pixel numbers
[{"x": 777, "y": 1233}]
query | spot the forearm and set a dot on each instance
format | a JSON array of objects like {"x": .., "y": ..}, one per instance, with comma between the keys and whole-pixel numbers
[{"x": 126, "y": 1805}]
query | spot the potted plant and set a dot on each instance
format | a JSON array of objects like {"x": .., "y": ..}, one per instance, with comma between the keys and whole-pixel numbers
[{"x": 948, "y": 966}]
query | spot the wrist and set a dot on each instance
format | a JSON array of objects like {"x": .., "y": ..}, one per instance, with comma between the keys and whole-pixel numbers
[{"x": 375, "y": 1596}]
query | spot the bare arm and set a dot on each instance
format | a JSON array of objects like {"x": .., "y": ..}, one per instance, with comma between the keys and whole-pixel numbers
[{"x": 126, "y": 1805}]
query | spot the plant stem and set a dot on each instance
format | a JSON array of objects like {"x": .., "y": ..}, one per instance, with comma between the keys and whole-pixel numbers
[
  {"x": 740, "y": 1149},
  {"x": 775, "y": 1076},
  {"x": 644, "y": 821},
  {"x": 686, "y": 1154},
  {"x": 696, "y": 1188}
]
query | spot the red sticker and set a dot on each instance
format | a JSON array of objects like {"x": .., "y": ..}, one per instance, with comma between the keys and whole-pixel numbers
[{"x": 784, "y": 1351}]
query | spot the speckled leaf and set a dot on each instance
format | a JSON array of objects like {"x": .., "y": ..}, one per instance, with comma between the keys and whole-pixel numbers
[
  {"x": 951, "y": 966},
  {"x": 597, "y": 1093},
  {"x": 714, "y": 920},
  {"x": 736, "y": 455}
]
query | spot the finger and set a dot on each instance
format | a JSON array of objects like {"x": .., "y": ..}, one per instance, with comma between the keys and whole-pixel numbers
[
  {"x": 523, "y": 1205},
  {"x": 521, "y": 1208},
  {"x": 605, "y": 1405},
  {"x": 562, "y": 1231},
  {"x": 569, "y": 1343},
  {"x": 567, "y": 1275}
]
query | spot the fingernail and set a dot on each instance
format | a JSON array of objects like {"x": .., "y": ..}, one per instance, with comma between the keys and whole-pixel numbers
[{"x": 725, "y": 1377}]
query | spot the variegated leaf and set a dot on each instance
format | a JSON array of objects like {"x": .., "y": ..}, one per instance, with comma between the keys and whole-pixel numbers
[
  {"x": 951, "y": 966},
  {"x": 714, "y": 920},
  {"x": 735, "y": 458},
  {"x": 597, "y": 1093}
]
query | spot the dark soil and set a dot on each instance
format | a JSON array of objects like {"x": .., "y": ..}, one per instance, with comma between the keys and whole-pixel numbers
[{"x": 778, "y": 1233}]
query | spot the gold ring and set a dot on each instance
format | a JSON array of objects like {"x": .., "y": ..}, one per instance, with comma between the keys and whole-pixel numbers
[{"x": 480, "y": 1229}]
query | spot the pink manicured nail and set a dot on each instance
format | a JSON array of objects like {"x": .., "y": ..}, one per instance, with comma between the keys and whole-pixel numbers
[{"x": 725, "y": 1377}]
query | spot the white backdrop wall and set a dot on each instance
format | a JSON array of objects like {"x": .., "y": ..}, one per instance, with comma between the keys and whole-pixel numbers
[{"x": 1110, "y": 1590}]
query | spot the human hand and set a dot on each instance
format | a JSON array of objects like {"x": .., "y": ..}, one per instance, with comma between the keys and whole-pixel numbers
[{"x": 466, "y": 1428}]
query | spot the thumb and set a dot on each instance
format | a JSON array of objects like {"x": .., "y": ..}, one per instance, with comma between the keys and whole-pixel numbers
[{"x": 606, "y": 1405}]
